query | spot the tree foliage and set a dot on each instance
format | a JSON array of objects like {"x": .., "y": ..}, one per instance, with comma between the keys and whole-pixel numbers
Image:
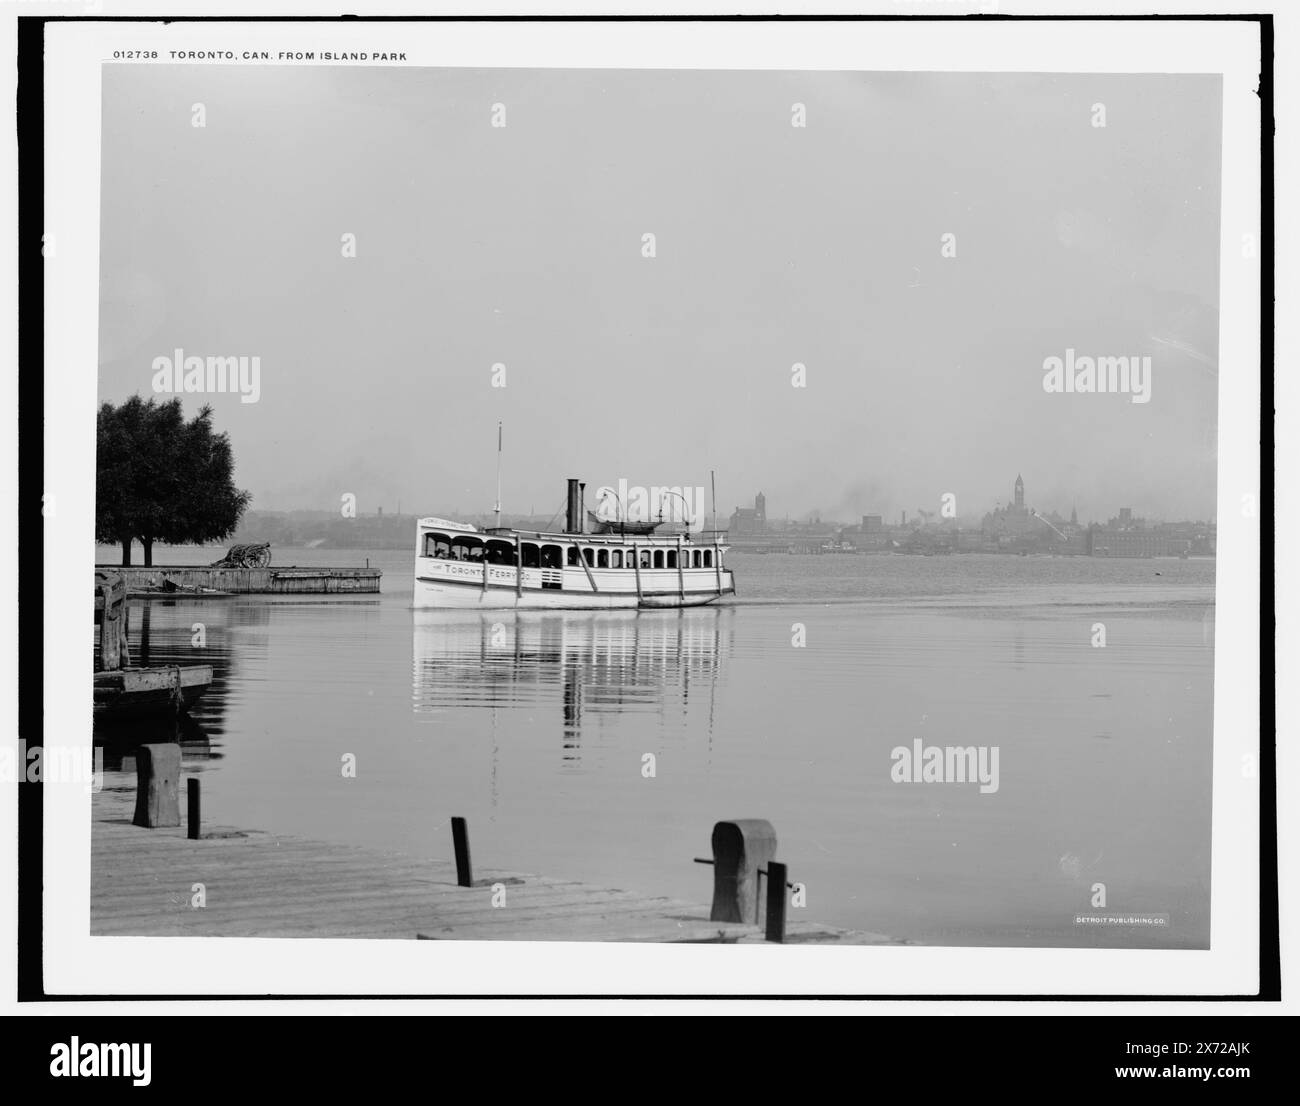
[{"x": 160, "y": 478}]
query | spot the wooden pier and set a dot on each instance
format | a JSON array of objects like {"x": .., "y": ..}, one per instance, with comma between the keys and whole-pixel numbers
[
  {"x": 123, "y": 689},
  {"x": 179, "y": 581},
  {"x": 257, "y": 884}
]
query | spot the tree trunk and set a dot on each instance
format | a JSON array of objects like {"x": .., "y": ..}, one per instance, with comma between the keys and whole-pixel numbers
[
  {"x": 148, "y": 551},
  {"x": 126, "y": 552}
]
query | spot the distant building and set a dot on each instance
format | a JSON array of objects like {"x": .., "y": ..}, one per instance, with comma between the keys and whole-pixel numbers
[
  {"x": 750, "y": 520},
  {"x": 1135, "y": 543},
  {"x": 1126, "y": 536},
  {"x": 871, "y": 536},
  {"x": 1013, "y": 523}
]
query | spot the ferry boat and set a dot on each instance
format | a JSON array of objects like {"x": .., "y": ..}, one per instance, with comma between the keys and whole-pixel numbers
[{"x": 460, "y": 566}]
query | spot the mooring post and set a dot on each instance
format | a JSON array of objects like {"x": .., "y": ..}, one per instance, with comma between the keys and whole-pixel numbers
[
  {"x": 111, "y": 591},
  {"x": 776, "y": 900},
  {"x": 157, "y": 772},
  {"x": 460, "y": 843},
  {"x": 192, "y": 812},
  {"x": 740, "y": 848}
]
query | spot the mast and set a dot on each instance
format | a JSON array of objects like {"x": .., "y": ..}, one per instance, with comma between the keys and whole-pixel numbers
[
  {"x": 713, "y": 479},
  {"x": 497, "y": 509}
]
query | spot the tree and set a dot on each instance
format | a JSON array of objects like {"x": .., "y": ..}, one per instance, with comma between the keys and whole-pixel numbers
[{"x": 160, "y": 478}]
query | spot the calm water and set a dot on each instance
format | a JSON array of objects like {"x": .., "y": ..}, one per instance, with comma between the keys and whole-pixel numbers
[{"x": 535, "y": 726}]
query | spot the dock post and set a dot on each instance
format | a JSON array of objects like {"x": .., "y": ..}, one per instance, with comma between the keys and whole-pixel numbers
[
  {"x": 636, "y": 564},
  {"x": 114, "y": 653},
  {"x": 519, "y": 568},
  {"x": 740, "y": 848},
  {"x": 460, "y": 843},
  {"x": 192, "y": 812},
  {"x": 776, "y": 900},
  {"x": 158, "y": 769}
]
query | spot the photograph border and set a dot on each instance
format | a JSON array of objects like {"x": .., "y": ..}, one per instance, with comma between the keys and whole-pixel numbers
[{"x": 31, "y": 539}]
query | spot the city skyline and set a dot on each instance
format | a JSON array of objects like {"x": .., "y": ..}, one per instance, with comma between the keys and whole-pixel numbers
[{"x": 978, "y": 512}]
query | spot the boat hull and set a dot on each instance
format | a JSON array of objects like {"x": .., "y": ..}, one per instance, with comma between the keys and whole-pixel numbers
[{"x": 460, "y": 586}]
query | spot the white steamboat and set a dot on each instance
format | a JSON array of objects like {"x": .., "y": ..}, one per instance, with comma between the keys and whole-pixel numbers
[{"x": 617, "y": 566}]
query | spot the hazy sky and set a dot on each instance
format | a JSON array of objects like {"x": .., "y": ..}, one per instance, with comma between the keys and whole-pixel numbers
[{"x": 774, "y": 244}]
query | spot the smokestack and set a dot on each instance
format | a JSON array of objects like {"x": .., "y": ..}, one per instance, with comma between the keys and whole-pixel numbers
[{"x": 573, "y": 512}]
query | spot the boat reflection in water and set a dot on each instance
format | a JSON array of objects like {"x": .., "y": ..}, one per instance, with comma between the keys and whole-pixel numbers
[{"x": 593, "y": 664}]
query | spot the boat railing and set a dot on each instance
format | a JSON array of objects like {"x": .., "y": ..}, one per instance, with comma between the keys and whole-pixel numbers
[{"x": 693, "y": 537}]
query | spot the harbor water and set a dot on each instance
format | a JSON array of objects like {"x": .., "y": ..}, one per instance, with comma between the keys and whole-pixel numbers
[{"x": 602, "y": 747}]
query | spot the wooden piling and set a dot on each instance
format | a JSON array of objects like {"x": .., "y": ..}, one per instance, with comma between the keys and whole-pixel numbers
[
  {"x": 460, "y": 843},
  {"x": 158, "y": 769},
  {"x": 192, "y": 812},
  {"x": 110, "y": 604},
  {"x": 776, "y": 900},
  {"x": 740, "y": 848}
]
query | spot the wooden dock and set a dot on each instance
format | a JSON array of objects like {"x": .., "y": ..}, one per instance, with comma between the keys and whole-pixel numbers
[
  {"x": 258, "y": 884},
  {"x": 154, "y": 581}
]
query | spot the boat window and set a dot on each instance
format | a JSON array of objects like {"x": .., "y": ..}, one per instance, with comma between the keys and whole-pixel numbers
[
  {"x": 659, "y": 558},
  {"x": 708, "y": 558},
  {"x": 531, "y": 555},
  {"x": 602, "y": 559},
  {"x": 589, "y": 555},
  {"x": 695, "y": 558},
  {"x": 437, "y": 545},
  {"x": 500, "y": 553},
  {"x": 573, "y": 556},
  {"x": 551, "y": 556},
  {"x": 672, "y": 558},
  {"x": 466, "y": 549},
  {"x": 616, "y": 558},
  {"x": 645, "y": 558}
]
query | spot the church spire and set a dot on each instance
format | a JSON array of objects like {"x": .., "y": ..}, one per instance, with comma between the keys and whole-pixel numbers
[{"x": 1020, "y": 492}]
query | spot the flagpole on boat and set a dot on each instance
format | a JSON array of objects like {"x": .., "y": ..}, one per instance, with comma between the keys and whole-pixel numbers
[
  {"x": 713, "y": 479},
  {"x": 497, "y": 508}
]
